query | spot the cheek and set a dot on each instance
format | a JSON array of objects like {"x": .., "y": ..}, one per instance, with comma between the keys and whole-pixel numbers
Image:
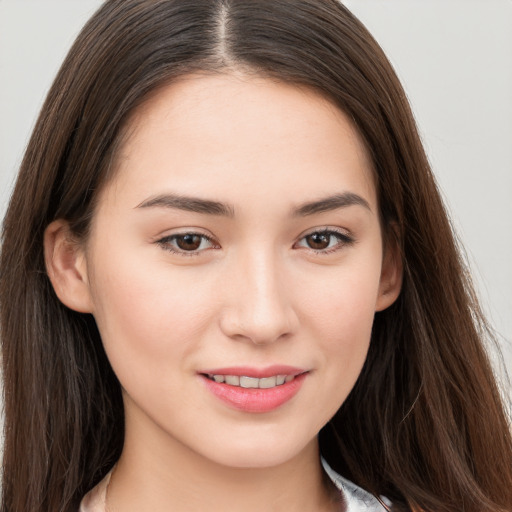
[
  {"x": 145, "y": 315},
  {"x": 340, "y": 316},
  {"x": 346, "y": 331},
  {"x": 343, "y": 302}
]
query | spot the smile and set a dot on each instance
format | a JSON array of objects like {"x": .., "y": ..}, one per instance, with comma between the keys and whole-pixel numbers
[
  {"x": 252, "y": 382},
  {"x": 254, "y": 390}
]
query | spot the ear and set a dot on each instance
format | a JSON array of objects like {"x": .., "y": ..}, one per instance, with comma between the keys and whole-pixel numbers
[
  {"x": 391, "y": 275},
  {"x": 66, "y": 266}
]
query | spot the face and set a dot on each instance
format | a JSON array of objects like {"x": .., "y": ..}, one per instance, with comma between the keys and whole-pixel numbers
[{"x": 234, "y": 267}]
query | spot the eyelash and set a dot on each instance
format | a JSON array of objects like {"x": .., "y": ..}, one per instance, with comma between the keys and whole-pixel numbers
[{"x": 343, "y": 240}]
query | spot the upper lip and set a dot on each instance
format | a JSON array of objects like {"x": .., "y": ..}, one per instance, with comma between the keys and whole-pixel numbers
[{"x": 259, "y": 373}]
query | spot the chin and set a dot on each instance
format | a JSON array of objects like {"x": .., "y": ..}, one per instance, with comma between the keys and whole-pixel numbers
[{"x": 260, "y": 451}]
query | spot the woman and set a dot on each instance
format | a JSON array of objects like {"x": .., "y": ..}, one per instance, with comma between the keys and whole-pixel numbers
[{"x": 225, "y": 257}]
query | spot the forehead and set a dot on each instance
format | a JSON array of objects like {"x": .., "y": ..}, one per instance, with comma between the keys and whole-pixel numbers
[{"x": 230, "y": 133}]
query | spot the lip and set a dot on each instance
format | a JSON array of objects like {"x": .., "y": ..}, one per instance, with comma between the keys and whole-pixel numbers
[{"x": 255, "y": 400}]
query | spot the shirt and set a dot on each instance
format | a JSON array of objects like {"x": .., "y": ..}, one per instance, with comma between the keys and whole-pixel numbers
[{"x": 354, "y": 498}]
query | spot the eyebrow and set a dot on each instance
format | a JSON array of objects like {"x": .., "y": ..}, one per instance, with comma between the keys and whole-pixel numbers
[
  {"x": 209, "y": 207},
  {"x": 331, "y": 203},
  {"x": 189, "y": 204}
]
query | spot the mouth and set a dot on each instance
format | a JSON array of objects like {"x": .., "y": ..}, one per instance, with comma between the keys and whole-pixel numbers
[{"x": 252, "y": 390}]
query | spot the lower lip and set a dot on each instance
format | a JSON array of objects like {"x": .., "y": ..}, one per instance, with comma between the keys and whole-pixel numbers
[{"x": 255, "y": 399}]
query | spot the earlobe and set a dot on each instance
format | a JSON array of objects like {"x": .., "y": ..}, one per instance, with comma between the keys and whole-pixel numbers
[
  {"x": 390, "y": 278},
  {"x": 66, "y": 267}
]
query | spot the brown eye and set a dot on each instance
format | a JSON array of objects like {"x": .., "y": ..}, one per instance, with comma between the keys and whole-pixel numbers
[
  {"x": 189, "y": 242},
  {"x": 319, "y": 241},
  {"x": 325, "y": 241}
]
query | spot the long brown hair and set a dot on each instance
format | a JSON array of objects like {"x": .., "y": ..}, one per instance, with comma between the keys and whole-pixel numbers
[{"x": 424, "y": 424}]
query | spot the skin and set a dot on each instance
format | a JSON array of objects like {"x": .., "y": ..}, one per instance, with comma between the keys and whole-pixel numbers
[{"x": 254, "y": 293}]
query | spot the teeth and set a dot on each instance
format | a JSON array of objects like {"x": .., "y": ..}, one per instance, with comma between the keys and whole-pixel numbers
[
  {"x": 232, "y": 380},
  {"x": 252, "y": 382},
  {"x": 248, "y": 382},
  {"x": 267, "y": 382}
]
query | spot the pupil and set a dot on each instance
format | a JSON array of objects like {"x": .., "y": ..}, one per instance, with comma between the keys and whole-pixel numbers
[
  {"x": 318, "y": 240},
  {"x": 189, "y": 242}
]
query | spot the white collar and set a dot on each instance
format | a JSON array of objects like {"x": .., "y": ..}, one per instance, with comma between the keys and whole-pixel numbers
[{"x": 356, "y": 499}]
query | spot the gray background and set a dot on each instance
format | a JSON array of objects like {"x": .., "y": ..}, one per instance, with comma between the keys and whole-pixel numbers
[{"x": 454, "y": 58}]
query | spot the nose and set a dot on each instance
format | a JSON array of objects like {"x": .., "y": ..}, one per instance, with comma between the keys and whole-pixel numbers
[{"x": 257, "y": 305}]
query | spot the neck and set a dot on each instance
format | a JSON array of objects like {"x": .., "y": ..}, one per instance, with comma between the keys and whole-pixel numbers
[{"x": 160, "y": 476}]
